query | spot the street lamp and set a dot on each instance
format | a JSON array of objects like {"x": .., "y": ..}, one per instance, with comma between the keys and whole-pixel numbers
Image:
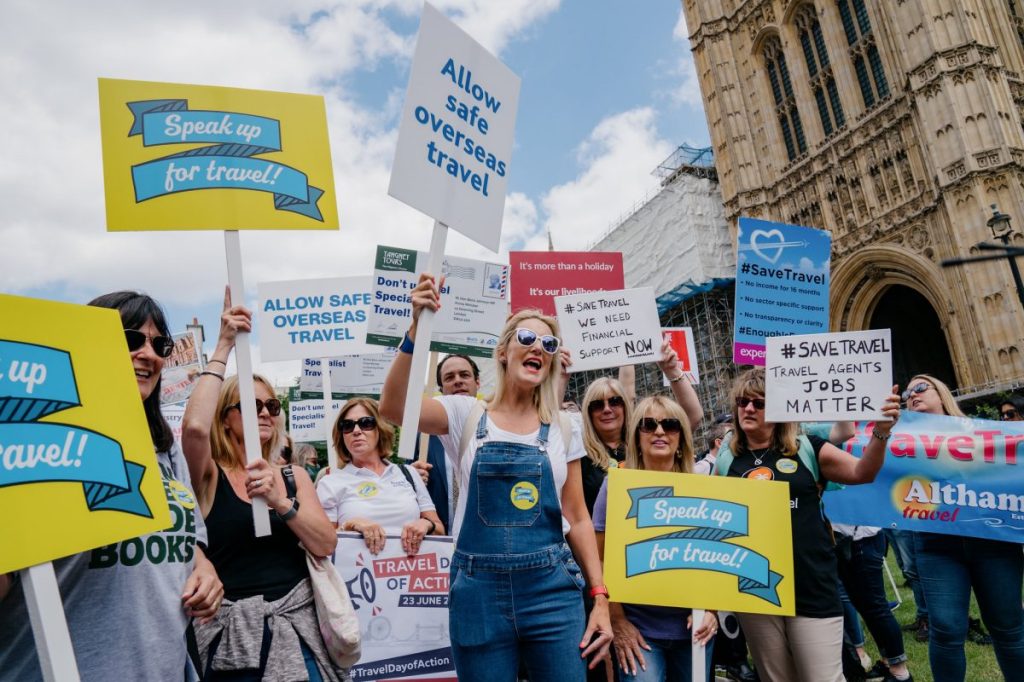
[{"x": 999, "y": 224}]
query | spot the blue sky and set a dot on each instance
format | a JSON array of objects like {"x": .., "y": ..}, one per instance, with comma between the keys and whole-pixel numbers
[{"x": 608, "y": 92}]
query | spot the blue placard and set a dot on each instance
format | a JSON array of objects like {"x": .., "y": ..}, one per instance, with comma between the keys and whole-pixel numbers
[{"x": 782, "y": 284}]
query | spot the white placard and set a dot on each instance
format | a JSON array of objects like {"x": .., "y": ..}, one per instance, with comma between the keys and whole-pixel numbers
[
  {"x": 354, "y": 375},
  {"x": 828, "y": 377},
  {"x": 474, "y": 301},
  {"x": 610, "y": 328},
  {"x": 457, "y": 128},
  {"x": 174, "y": 415},
  {"x": 306, "y": 419},
  {"x": 681, "y": 339},
  {"x": 313, "y": 317}
]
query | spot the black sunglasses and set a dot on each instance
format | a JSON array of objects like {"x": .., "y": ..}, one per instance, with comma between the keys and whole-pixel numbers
[
  {"x": 162, "y": 345},
  {"x": 614, "y": 401},
  {"x": 916, "y": 388},
  {"x": 273, "y": 406},
  {"x": 668, "y": 425},
  {"x": 743, "y": 401},
  {"x": 528, "y": 337},
  {"x": 364, "y": 424},
  {"x": 1009, "y": 414}
]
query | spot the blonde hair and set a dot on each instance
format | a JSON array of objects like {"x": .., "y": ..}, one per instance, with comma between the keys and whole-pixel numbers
[
  {"x": 750, "y": 384},
  {"x": 544, "y": 395},
  {"x": 304, "y": 454},
  {"x": 385, "y": 431},
  {"x": 683, "y": 460},
  {"x": 221, "y": 445},
  {"x": 949, "y": 405},
  {"x": 603, "y": 387}
]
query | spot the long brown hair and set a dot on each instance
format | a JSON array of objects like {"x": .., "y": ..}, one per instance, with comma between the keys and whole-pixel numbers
[
  {"x": 221, "y": 447},
  {"x": 750, "y": 384},
  {"x": 683, "y": 460},
  {"x": 385, "y": 431}
]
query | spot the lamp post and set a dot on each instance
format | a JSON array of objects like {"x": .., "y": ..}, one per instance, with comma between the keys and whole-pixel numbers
[{"x": 999, "y": 224}]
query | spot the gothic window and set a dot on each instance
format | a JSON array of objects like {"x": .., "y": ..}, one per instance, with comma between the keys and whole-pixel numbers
[
  {"x": 867, "y": 63},
  {"x": 823, "y": 83},
  {"x": 785, "y": 101},
  {"x": 1018, "y": 20}
]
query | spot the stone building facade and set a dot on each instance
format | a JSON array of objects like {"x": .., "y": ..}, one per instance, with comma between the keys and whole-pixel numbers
[{"x": 894, "y": 124}]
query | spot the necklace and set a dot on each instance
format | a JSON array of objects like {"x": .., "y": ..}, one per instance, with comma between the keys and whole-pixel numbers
[{"x": 759, "y": 455}]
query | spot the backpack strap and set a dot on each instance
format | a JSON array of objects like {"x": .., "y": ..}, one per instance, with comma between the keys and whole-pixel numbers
[
  {"x": 806, "y": 454},
  {"x": 408, "y": 476},
  {"x": 289, "y": 481}
]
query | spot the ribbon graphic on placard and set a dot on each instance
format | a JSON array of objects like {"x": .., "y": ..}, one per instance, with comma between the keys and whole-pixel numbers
[
  {"x": 701, "y": 547},
  {"x": 38, "y": 381},
  {"x": 228, "y": 163}
]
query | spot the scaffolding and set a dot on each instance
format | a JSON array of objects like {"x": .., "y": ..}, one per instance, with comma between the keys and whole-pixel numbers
[{"x": 696, "y": 161}]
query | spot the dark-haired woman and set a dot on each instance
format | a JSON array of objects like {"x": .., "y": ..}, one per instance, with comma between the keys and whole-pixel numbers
[{"x": 127, "y": 606}]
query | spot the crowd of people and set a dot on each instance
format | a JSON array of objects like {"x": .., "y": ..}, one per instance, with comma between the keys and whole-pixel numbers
[{"x": 520, "y": 480}]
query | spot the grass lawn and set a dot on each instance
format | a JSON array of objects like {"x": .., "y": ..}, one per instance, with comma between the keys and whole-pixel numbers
[{"x": 981, "y": 661}]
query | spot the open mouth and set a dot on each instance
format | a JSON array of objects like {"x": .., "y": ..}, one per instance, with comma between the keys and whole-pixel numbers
[
  {"x": 533, "y": 363},
  {"x": 143, "y": 373}
]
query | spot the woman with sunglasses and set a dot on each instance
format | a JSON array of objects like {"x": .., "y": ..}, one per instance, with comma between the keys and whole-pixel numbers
[
  {"x": 950, "y": 566},
  {"x": 102, "y": 590},
  {"x": 1012, "y": 409},
  {"x": 806, "y": 647},
  {"x": 268, "y": 624},
  {"x": 370, "y": 495},
  {"x": 653, "y": 643},
  {"x": 515, "y": 586}
]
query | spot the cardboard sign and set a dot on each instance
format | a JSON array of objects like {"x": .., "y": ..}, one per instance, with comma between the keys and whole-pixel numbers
[
  {"x": 782, "y": 284},
  {"x": 539, "y": 276},
  {"x": 195, "y": 157},
  {"x": 681, "y": 339},
  {"x": 610, "y": 328},
  {"x": 828, "y": 377},
  {"x": 77, "y": 467},
  {"x": 473, "y": 301},
  {"x": 949, "y": 475},
  {"x": 306, "y": 419},
  {"x": 181, "y": 370},
  {"x": 313, "y": 317},
  {"x": 350, "y": 376},
  {"x": 696, "y": 541},
  {"x": 402, "y": 606},
  {"x": 455, "y": 139}
]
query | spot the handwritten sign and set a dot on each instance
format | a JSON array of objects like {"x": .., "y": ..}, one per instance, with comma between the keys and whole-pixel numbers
[
  {"x": 455, "y": 138},
  {"x": 828, "y": 377},
  {"x": 77, "y": 467},
  {"x": 610, "y": 328},
  {"x": 402, "y": 606},
  {"x": 473, "y": 301},
  {"x": 699, "y": 542},
  {"x": 681, "y": 339},
  {"x": 949, "y": 475},
  {"x": 539, "y": 276},
  {"x": 782, "y": 285},
  {"x": 313, "y": 317},
  {"x": 195, "y": 157}
]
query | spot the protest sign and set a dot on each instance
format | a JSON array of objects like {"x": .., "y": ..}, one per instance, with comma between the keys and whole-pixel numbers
[
  {"x": 539, "y": 276},
  {"x": 78, "y": 469},
  {"x": 610, "y": 328},
  {"x": 455, "y": 137},
  {"x": 174, "y": 415},
  {"x": 695, "y": 541},
  {"x": 782, "y": 284},
  {"x": 313, "y": 317},
  {"x": 681, "y": 339},
  {"x": 828, "y": 377},
  {"x": 181, "y": 370},
  {"x": 473, "y": 301},
  {"x": 402, "y": 606},
  {"x": 950, "y": 475},
  {"x": 306, "y": 420},
  {"x": 195, "y": 157},
  {"x": 350, "y": 376}
]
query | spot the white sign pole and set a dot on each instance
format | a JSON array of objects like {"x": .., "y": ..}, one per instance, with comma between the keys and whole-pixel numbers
[
  {"x": 697, "y": 651},
  {"x": 325, "y": 378},
  {"x": 421, "y": 351},
  {"x": 246, "y": 386},
  {"x": 425, "y": 437},
  {"x": 49, "y": 627}
]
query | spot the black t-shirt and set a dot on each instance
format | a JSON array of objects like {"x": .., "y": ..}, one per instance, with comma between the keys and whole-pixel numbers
[
  {"x": 593, "y": 475},
  {"x": 814, "y": 560}
]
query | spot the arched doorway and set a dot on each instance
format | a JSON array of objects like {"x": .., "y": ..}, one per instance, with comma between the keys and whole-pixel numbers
[{"x": 918, "y": 342}]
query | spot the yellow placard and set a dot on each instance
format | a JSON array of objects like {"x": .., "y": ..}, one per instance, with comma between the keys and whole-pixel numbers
[
  {"x": 705, "y": 542},
  {"x": 197, "y": 157},
  {"x": 77, "y": 467}
]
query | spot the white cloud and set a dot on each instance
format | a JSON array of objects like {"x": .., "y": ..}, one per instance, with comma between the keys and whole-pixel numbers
[{"x": 688, "y": 90}]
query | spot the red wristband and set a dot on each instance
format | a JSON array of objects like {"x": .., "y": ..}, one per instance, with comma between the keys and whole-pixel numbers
[{"x": 599, "y": 589}]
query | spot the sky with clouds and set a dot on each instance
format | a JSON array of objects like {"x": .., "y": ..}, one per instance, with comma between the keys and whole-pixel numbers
[{"x": 608, "y": 92}]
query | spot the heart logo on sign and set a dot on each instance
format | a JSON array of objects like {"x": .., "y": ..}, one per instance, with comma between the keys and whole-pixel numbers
[{"x": 772, "y": 240}]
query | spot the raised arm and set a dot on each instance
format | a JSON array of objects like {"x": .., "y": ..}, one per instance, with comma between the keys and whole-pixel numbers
[
  {"x": 627, "y": 377},
  {"x": 682, "y": 389},
  {"x": 433, "y": 418},
  {"x": 842, "y": 467}
]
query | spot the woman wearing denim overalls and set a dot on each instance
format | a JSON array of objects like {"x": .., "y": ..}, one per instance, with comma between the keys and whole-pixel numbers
[{"x": 515, "y": 586}]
